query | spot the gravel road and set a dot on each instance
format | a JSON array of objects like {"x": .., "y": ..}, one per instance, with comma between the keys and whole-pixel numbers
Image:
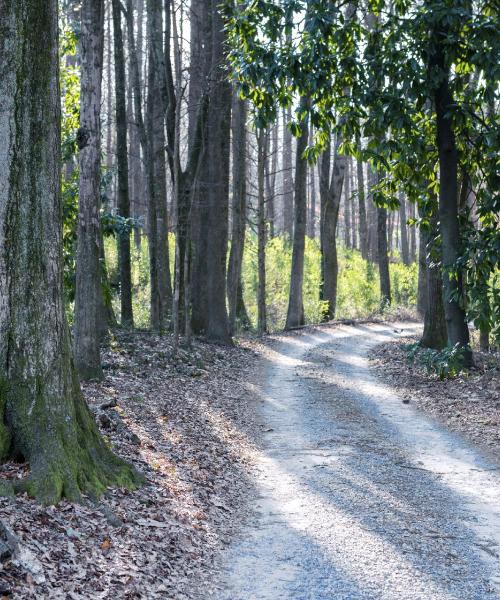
[{"x": 359, "y": 496}]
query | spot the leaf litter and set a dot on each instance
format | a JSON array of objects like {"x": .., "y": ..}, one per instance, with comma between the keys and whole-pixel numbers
[
  {"x": 468, "y": 404},
  {"x": 186, "y": 423}
]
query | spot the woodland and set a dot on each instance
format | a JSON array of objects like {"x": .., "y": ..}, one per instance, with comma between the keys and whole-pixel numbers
[{"x": 184, "y": 178}]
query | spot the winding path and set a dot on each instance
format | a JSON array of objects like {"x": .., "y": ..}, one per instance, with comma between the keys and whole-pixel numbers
[{"x": 360, "y": 497}]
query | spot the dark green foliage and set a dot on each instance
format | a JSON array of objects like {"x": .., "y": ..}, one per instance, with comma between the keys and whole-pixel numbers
[{"x": 446, "y": 363}]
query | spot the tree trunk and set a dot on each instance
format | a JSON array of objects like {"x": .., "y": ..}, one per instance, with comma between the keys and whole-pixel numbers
[
  {"x": 383, "y": 257},
  {"x": 161, "y": 290},
  {"x": 363, "y": 231},
  {"x": 45, "y": 418},
  {"x": 354, "y": 229},
  {"x": 372, "y": 216},
  {"x": 295, "y": 313},
  {"x": 347, "y": 207},
  {"x": 209, "y": 312},
  {"x": 261, "y": 232},
  {"x": 272, "y": 166},
  {"x": 484, "y": 338},
  {"x": 238, "y": 207},
  {"x": 127, "y": 317},
  {"x": 88, "y": 268},
  {"x": 287, "y": 175},
  {"x": 422, "y": 290},
  {"x": 405, "y": 249},
  {"x": 456, "y": 322},
  {"x": 331, "y": 193},
  {"x": 434, "y": 335}
]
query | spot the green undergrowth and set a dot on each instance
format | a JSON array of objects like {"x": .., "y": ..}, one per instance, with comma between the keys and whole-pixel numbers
[
  {"x": 446, "y": 363},
  {"x": 358, "y": 285}
]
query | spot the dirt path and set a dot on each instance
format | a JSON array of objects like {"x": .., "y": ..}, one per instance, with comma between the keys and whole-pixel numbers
[{"x": 359, "y": 496}]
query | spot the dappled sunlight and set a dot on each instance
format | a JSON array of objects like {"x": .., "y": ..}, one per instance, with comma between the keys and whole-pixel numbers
[{"x": 346, "y": 474}]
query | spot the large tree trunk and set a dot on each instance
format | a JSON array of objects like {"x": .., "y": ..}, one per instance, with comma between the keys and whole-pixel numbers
[
  {"x": 238, "y": 208},
  {"x": 209, "y": 306},
  {"x": 434, "y": 335},
  {"x": 456, "y": 322},
  {"x": 363, "y": 230},
  {"x": 270, "y": 175},
  {"x": 372, "y": 216},
  {"x": 295, "y": 314},
  {"x": 405, "y": 248},
  {"x": 127, "y": 317},
  {"x": 88, "y": 268},
  {"x": 287, "y": 175},
  {"x": 331, "y": 192},
  {"x": 161, "y": 289},
  {"x": 422, "y": 290},
  {"x": 261, "y": 232},
  {"x": 383, "y": 257},
  {"x": 45, "y": 419},
  {"x": 347, "y": 207},
  {"x": 354, "y": 228}
]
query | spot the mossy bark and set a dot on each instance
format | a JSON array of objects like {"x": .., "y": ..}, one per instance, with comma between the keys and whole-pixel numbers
[{"x": 45, "y": 419}]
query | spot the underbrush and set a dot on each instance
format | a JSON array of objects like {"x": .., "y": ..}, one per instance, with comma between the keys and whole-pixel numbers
[
  {"x": 358, "y": 283},
  {"x": 445, "y": 363}
]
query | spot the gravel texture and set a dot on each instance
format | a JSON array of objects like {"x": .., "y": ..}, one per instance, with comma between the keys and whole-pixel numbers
[{"x": 358, "y": 495}]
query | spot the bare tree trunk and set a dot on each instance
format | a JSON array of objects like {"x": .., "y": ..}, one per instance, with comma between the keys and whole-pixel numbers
[
  {"x": 456, "y": 322},
  {"x": 270, "y": 177},
  {"x": 405, "y": 250},
  {"x": 372, "y": 217},
  {"x": 214, "y": 229},
  {"x": 330, "y": 193},
  {"x": 363, "y": 230},
  {"x": 287, "y": 175},
  {"x": 295, "y": 314},
  {"x": 413, "y": 236},
  {"x": 45, "y": 420},
  {"x": 434, "y": 335},
  {"x": 423, "y": 275},
  {"x": 161, "y": 291},
  {"x": 354, "y": 228},
  {"x": 347, "y": 208},
  {"x": 238, "y": 207},
  {"x": 127, "y": 317},
  {"x": 383, "y": 257},
  {"x": 88, "y": 268},
  {"x": 261, "y": 232}
]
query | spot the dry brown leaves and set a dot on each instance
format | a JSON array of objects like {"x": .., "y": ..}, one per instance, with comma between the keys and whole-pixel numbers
[
  {"x": 468, "y": 404},
  {"x": 182, "y": 422}
]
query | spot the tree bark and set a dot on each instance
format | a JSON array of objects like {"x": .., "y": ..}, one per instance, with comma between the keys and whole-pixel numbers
[
  {"x": 161, "y": 290},
  {"x": 422, "y": 289},
  {"x": 45, "y": 419},
  {"x": 287, "y": 175},
  {"x": 209, "y": 305},
  {"x": 127, "y": 317},
  {"x": 261, "y": 232},
  {"x": 456, "y": 322},
  {"x": 347, "y": 207},
  {"x": 434, "y": 335},
  {"x": 88, "y": 268},
  {"x": 354, "y": 229},
  {"x": 383, "y": 257},
  {"x": 363, "y": 230},
  {"x": 295, "y": 313},
  {"x": 238, "y": 207},
  {"x": 405, "y": 249}
]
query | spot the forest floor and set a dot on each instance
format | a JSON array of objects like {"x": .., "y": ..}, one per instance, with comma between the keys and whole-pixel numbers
[
  {"x": 286, "y": 457},
  {"x": 183, "y": 423},
  {"x": 468, "y": 404}
]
